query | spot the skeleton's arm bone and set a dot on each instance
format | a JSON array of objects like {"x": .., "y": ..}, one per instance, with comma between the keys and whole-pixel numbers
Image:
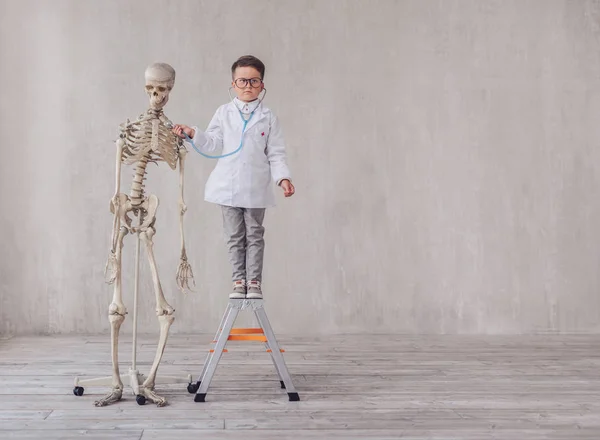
[
  {"x": 110, "y": 271},
  {"x": 184, "y": 271},
  {"x": 120, "y": 144},
  {"x": 182, "y": 206}
]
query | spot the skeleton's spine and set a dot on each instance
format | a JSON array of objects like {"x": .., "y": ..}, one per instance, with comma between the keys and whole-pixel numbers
[{"x": 137, "y": 186}]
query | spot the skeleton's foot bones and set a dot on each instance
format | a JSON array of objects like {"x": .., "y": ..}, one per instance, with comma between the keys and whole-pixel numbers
[
  {"x": 112, "y": 397},
  {"x": 116, "y": 394},
  {"x": 150, "y": 395}
]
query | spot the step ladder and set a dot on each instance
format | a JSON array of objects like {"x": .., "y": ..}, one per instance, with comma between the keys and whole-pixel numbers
[{"x": 226, "y": 332}]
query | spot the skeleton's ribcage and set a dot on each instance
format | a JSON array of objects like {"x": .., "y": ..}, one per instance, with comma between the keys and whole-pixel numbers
[
  {"x": 152, "y": 140},
  {"x": 148, "y": 141}
]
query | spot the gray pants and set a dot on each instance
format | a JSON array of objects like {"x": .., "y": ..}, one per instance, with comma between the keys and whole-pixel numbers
[{"x": 244, "y": 234}]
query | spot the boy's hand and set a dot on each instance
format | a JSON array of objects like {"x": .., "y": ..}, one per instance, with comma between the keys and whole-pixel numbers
[
  {"x": 288, "y": 188},
  {"x": 179, "y": 129}
]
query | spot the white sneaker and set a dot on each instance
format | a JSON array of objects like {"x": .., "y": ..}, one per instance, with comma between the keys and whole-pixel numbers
[
  {"x": 254, "y": 290},
  {"x": 239, "y": 290}
]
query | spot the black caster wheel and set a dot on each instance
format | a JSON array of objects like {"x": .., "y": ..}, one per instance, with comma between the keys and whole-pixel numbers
[
  {"x": 294, "y": 397},
  {"x": 193, "y": 387},
  {"x": 78, "y": 391},
  {"x": 141, "y": 400}
]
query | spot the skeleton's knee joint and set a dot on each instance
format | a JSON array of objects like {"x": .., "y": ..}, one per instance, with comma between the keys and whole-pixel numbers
[
  {"x": 116, "y": 310},
  {"x": 165, "y": 311}
]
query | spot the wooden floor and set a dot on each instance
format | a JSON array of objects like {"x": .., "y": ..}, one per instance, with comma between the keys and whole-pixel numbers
[{"x": 352, "y": 387}]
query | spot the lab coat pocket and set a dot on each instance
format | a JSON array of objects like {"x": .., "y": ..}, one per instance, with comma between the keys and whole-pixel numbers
[{"x": 260, "y": 132}]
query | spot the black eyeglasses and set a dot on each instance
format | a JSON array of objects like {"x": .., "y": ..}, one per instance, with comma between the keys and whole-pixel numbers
[{"x": 242, "y": 82}]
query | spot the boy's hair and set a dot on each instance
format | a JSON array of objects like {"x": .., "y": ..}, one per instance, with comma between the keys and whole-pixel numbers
[{"x": 249, "y": 61}]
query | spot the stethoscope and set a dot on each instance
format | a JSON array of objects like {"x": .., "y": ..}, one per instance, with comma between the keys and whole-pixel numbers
[{"x": 243, "y": 129}]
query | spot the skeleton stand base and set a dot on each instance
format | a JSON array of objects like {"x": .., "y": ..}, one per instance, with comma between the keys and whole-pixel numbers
[
  {"x": 134, "y": 378},
  {"x": 226, "y": 332}
]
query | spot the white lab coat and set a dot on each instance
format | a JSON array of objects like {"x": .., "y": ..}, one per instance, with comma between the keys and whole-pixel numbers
[{"x": 244, "y": 179}]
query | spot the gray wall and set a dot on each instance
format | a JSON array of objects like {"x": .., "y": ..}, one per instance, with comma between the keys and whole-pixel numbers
[{"x": 444, "y": 152}]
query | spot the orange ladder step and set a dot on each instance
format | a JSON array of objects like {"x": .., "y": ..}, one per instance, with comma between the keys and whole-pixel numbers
[
  {"x": 246, "y": 331},
  {"x": 261, "y": 338},
  {"x": 246, "y": 334}
]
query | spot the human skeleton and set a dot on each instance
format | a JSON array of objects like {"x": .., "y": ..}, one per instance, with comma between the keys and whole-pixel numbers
[{"x": 149, "y": 139}]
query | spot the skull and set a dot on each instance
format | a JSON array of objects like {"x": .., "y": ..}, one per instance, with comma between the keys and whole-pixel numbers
[{"x": 160, "y": 78}]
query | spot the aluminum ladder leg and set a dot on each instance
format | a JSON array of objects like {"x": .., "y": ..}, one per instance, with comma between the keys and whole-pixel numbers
[{"x": 226, "y": 332}]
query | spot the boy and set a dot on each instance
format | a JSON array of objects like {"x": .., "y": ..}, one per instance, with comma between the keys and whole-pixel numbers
[{"x": 252, "y": 154}]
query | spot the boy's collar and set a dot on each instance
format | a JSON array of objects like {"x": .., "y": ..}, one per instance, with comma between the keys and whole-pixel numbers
[{"x": 246, "y": 107}]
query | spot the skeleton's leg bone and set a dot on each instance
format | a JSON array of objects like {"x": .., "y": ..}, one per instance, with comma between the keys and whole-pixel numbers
[
  {"x": 147, "y": 388},
  {"x": 162, "y": 307},
  {"x": 116, "y": 316},
  {"x": 165, "y": 317},
  {"x": 117, "y": 390}
]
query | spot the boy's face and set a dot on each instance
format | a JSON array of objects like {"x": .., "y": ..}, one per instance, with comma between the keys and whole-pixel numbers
[{"x": 247, "y": 83}]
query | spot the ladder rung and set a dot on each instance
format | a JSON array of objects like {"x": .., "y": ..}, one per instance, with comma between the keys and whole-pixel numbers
[
  {"x": 246, "y": 331},
  {"x": 224, "y": 350},
  {"x": 260, "y": 338},
  {"x": 271, "y": 351}
]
